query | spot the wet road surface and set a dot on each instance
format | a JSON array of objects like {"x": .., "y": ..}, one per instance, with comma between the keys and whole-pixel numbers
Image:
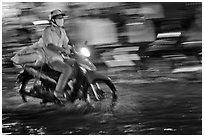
[{"x": 144, "y": 107}]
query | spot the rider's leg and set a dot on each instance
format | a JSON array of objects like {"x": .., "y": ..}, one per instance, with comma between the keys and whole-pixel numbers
[{"x": 66, "y": 71}]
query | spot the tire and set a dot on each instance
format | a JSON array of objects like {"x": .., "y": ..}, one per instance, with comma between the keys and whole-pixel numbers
[
  {"x": 33, "y": 88},
  {"x": 104, "y": 97},
  {"x": 26, "y": 87}
]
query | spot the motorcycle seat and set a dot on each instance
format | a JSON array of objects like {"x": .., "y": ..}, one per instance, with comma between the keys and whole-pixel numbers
[{"x": 45, "y": 68}]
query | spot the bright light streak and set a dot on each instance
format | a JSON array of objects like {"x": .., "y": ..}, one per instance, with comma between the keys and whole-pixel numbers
[
  {"x": 40, "y": 22},
  {"x": 170, "y": 34}
]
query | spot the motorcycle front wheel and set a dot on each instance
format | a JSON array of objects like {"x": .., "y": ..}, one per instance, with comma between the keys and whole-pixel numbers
[{"x": 102, "y": 95}]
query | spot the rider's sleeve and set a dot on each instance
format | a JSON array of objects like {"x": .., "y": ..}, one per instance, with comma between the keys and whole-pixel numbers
[
  {"x": 47, "y": 36},
  {"x": 66, "y": 40}
]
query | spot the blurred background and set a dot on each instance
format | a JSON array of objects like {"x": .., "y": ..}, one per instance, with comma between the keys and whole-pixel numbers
[
  {"x": 119, "y": 34},
  {"x": 144, "y": 36},
  {"x": 151, "y": 51}
]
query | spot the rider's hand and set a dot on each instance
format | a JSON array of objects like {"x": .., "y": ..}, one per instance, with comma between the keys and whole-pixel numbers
[{"x": 65, "y": 52}]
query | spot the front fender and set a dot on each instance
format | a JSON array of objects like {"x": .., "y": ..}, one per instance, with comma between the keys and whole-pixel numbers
[{"x": 93, "y": 76}]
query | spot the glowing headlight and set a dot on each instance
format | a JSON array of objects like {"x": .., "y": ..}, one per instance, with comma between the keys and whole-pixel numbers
[{"x": 85, "y": 52}]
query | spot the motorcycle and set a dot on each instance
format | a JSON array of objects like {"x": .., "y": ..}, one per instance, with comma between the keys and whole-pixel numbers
[{"x": 87, "y": 84}]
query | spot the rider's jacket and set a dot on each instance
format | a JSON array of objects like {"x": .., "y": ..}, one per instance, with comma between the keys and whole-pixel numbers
[{"x": 50, "y": 36}]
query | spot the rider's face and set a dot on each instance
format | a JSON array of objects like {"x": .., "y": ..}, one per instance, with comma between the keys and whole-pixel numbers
[{"x": 59, "y": 20}]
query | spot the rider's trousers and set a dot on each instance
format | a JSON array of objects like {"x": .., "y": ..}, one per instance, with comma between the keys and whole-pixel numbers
[{"x": 66, "y": 71}]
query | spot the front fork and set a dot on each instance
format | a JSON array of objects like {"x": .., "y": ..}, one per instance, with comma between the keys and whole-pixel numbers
[{"x": 94, "y": 91}]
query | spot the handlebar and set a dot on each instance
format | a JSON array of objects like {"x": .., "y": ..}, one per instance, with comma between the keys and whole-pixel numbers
[
  {"x": 72, "y": 52},
  {"x": 64, "y": 56}
]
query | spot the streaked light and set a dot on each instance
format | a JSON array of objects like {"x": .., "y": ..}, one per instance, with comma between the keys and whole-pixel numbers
[
  {"x": 170, "y": 34},
  {"x": 135, "y": 23},
  {"x": 193, "y": 42},
  {"x": 40, "y": 22}
]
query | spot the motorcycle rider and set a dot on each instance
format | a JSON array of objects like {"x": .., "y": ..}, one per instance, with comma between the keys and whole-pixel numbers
[
  {"x": 55, "y": 42},
  {"x": 48, "y": 49}
]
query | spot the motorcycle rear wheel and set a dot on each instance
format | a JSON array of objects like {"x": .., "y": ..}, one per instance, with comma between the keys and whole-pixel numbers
[{"x": 34, "y": 88}]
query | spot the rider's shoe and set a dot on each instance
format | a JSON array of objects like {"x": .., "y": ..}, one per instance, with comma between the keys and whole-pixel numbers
[{"x": 59, "y": 95}]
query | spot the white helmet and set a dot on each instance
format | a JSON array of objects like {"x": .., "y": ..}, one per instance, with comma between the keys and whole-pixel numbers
[{"x": 56, "y": 14}]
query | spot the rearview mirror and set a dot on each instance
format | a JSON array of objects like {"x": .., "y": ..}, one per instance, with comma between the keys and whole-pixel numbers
[{"x": 85, "y": 43}]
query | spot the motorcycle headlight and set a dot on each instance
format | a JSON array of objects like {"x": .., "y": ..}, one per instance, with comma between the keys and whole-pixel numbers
[{"x": 85, "y": 52}]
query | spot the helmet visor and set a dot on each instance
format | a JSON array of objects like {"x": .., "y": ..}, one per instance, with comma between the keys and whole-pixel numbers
[{"x": 59, "y": 16}]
